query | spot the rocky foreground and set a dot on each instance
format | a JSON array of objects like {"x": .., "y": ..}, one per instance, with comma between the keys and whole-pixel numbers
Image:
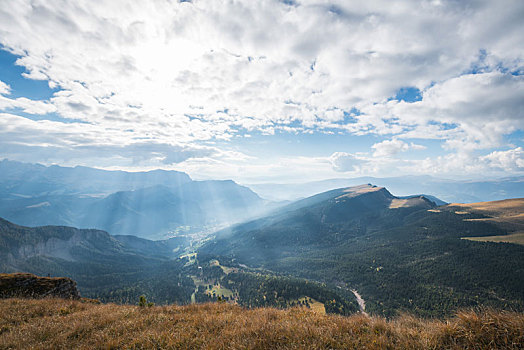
[
  {"x": 67, "y": 324},
  {"x": 27, "y": 285}
]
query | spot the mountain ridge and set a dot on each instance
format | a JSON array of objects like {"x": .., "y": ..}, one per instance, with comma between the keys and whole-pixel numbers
[{"x": 401, "y": 254}]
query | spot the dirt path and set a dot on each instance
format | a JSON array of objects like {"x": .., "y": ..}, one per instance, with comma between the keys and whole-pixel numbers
[{"x": 360, "y": 301}]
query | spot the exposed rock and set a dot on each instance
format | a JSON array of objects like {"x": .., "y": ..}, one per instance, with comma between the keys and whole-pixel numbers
[{"x": 26, "y": 285}]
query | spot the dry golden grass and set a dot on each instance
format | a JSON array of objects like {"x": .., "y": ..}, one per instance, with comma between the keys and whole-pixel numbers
[
  {"x": 354, "y": 191},
  {"x": 508, "y": 214},
  {"x": 502, "y": 207},
  {"x": 516, "y": 238},
  {"x": 406, "y": 202},
  {"x": 505, "y": 211},
  {"x": 66, "y": 324}
]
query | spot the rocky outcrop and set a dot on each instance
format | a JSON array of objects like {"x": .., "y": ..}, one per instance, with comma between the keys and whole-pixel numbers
[{"x": 26, "y": 285}]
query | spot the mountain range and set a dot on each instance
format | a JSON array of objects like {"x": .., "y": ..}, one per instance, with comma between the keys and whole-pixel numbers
[
  {"x": 220, "y": 240},
  {"x": 155, "y": 204},
  {"x": 450, "y": 191}
]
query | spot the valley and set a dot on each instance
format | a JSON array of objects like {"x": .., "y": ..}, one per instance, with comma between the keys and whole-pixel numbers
[
  {"x": 155, "y": 205},
  {"x": 342, "y": 251}
]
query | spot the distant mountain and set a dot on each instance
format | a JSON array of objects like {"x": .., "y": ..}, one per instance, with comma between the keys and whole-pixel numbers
[
  {"x": 111, "y": 268},
  {"x": 150, "y": 212},
  {"x": 445, "y": 189},
  {"x": 401, "y": 254},
  {"x": 168, "y": 248},
  {"x": 152, "y": 205},
  {"x": 33, "y": 180}
]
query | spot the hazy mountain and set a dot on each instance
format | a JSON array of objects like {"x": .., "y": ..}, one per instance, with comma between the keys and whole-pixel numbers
[
  {"x": 35, "y": 195},
  {"x": 167, "y": 248},
  {"x": 445, "y": 189},
  {"x": 23, "y": 179},
  {"x": 153, "y": 211},
  {"x": 400, "y": 254},
  {"x": 148, "y": 212}
]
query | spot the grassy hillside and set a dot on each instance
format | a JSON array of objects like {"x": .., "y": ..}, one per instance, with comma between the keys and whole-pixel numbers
[
  {"x": 61, "y": 324},
  {"x": 508, "y": 214}
]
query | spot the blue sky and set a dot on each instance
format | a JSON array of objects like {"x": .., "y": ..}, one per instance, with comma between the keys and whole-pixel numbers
[{"x": 265, "y": 91}]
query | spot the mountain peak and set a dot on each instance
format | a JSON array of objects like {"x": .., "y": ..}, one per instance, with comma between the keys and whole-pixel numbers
[{"x": 355, "y": 191}]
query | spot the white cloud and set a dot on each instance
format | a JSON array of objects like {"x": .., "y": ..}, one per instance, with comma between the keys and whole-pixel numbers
[
  {"x": 5, "y": 89},
  {"x": 176, "y": 76},
  {"x": 252, "y": 58},
  {"x": 389, "y": 148},
  {"x": 49, "y": 141},
  {"x": 472, "y": 111},
  {"x": 26, "y": 105},
  {"x": 509, "y": 160},
  {"x": 343, "y": 162}
]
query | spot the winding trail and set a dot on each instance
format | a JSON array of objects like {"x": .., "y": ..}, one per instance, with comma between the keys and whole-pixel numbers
[{"x": 360, "y": 301}]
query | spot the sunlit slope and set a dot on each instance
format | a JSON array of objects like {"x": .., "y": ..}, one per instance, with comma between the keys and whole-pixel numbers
[
  {"x": 400, "y": 254},
  {"x": 507, "y": 214},
  {"x": 318, "y": 221}
]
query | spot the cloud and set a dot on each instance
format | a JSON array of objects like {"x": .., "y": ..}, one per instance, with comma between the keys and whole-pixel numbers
[
  {"x": 342, "y": 161},
  {"x": 473, "y": 111},
  {"x": 51, "y": 141},
  {"x": 24, "y": 104},
  {"x": 509, "y": 160},
  {"x": 180, "y": 76},
  {"x": 174, "y": 59},
  {"x": 389, "y": 148},
  {"x": 4, "y": 88}
]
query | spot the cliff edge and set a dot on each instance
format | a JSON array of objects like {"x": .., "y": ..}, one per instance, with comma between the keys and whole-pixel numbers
[{"x": 26, "y": 285}]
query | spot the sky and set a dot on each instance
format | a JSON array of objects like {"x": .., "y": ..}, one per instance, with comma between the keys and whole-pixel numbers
[{"x": 265, "y": 91}]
